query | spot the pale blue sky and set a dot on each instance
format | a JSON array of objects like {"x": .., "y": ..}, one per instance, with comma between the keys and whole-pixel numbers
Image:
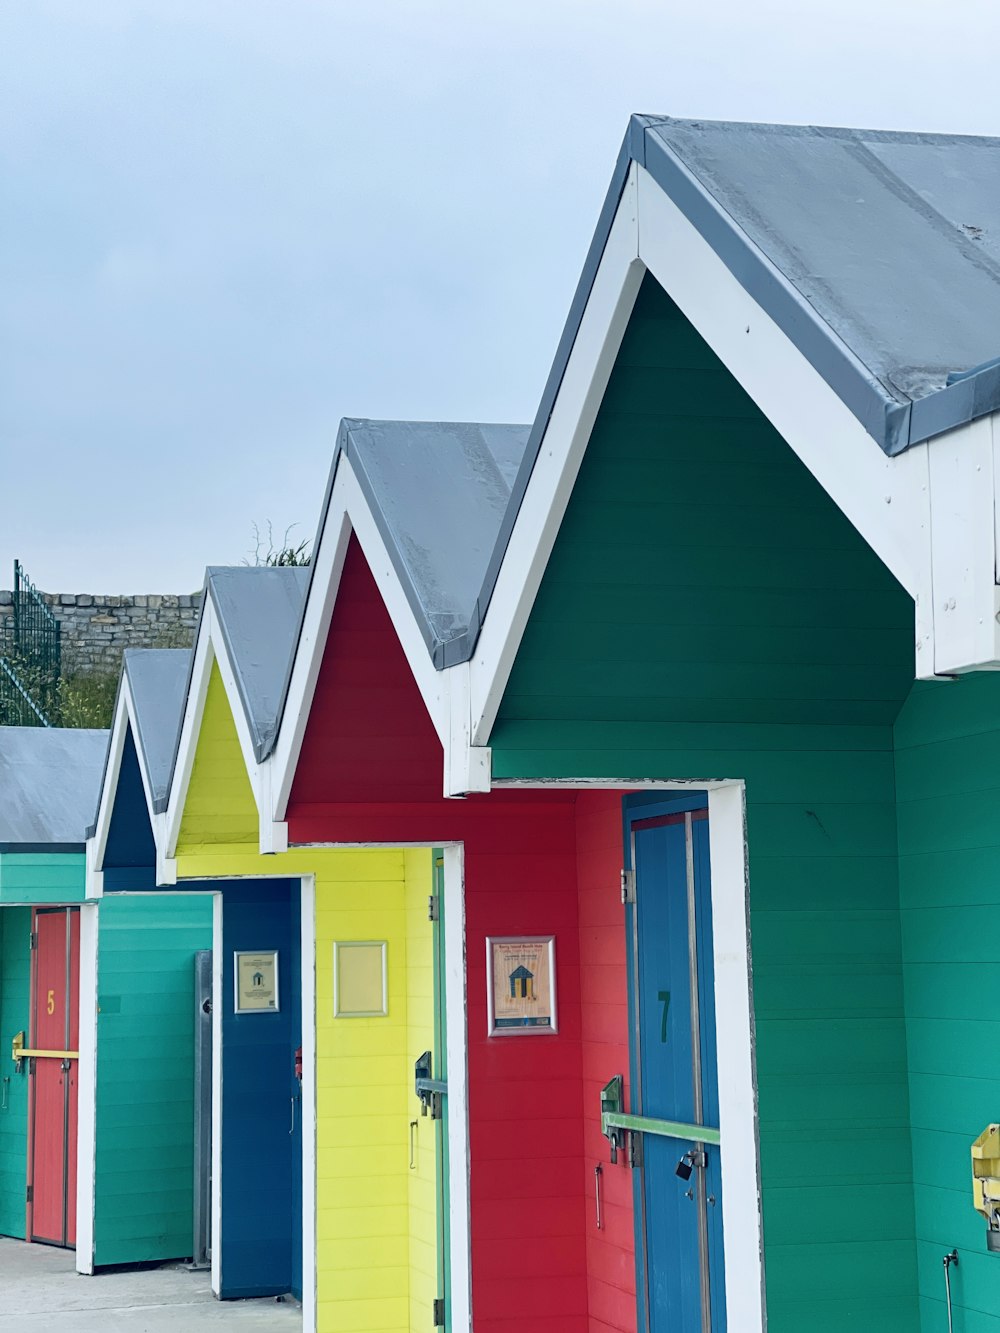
[{"x": 228, "y": 223}]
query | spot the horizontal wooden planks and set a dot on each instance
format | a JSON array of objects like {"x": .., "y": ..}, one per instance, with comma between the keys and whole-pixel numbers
[
  {"x": 144, "y": 1158},
  {"x": 707, "y": 612},
  {"x": 948, "y": 776}
]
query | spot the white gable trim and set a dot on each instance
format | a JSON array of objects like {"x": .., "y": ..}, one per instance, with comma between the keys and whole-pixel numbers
[
  {"x": 210, "y": 649},
  {"x": 347, "y": 512},
  {"x": 947, "y": 563},
  {"x": 123, "y": 722}
]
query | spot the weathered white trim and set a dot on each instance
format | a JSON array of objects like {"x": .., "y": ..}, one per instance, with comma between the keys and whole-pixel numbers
[
  {"x": 883, "y": 497},
  {"x": 736, "y": 1046},
  {"x": 210, "y": 649},
  {"x": 348, "y": 512},
  {"x": 328, "y": 565},
  {"x": 466, "y": 767},
  {"x": 308, "y": 967},
  {"x": 194, "y": 711},
  {"x": 963, "y": 485},
  {"x": 86, "y": 1137},
  {"x": 218, "y": 1003},
  {"x": 98, "y": 842},
  {"x": 456, "y": 1036},
  {"x": 889, "y": 500},
  {"x": 574, "y": 412}
]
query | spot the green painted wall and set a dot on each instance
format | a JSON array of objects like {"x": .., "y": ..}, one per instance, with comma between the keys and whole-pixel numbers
[
  {"x": 948, "y": 789},
  {"x": 42, "y": 877},
  {"x": 709, "y": 612},
  {"x": 145, "y": 1042},
  {"x": 15, "y": 984}
]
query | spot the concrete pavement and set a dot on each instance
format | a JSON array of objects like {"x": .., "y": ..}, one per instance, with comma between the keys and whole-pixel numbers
[{"x": 42, "y": 1293}]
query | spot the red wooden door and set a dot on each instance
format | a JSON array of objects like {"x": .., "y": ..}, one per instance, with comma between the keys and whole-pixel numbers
[{"x": 55, "y": 1023}]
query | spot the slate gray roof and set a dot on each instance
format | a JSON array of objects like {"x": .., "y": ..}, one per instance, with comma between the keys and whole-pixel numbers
[
  {"x": 158, "y": 681},
  {"x": 438, "y": 492},
  {"x": 49, "y": 786},
  {"x": 877, "y": 253},
  {"x": 260, "y": 612}
]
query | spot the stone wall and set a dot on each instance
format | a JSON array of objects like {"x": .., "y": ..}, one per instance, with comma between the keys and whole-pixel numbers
[{"x": 96, "y": 630}]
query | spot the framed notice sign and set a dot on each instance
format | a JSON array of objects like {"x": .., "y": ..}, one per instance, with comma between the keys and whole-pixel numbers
[
  {"x": 521, "y": 985},
  {"x": 256, "y": 982}
]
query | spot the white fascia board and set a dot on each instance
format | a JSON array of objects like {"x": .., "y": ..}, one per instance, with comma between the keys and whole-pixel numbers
[
  {"x": 347, "y": 512},
  {"x": 194, "y": 709},
  {"x": 87, "y": 1090},
  {"x": 948, "y": 565},
  {"x": 466, "y": 766},
  {"x": 210, "y": 649},
  {"x": 602, "y": 327},
  {"x": 964, "y": 472},
  {"x": 324, "y": 584},
  {"x": 123, "y": 721},
  {"x": 885, "y": 498},
  {"x": 97, "y": 844}
]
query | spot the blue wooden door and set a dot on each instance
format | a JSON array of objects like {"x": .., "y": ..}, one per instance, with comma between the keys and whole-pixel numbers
[{"x": 675, "y": 1077}]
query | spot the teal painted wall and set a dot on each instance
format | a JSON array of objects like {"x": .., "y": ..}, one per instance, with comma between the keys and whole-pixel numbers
[
  {"x": 145, "y": 1044},
  {"x": 709, "y": 612},
  {"x": 42, "y": 877},
  {"x": 948, "y": 789},
  {"x": 15, "y": 986}
]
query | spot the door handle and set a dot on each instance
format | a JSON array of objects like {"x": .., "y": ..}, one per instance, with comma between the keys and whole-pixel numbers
[{"x": 292, "y": 1127}]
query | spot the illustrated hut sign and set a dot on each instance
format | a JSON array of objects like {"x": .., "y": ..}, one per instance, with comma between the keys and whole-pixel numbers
[
  {"x": 256, "y": 982},
  {"x": 521, "y": 981}
]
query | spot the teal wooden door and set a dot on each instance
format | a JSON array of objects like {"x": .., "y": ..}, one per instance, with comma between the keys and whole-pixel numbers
[{"x": 679, "y": 1241}]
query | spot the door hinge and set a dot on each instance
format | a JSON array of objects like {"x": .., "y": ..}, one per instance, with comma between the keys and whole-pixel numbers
[
  {"x": 439, "y": 1312},
  {"x": 433, "y": 908},
  {"x": 33, "y": 940},
  {"x": 628, "y": 886},
  {"x": 29, "y": 1194}
]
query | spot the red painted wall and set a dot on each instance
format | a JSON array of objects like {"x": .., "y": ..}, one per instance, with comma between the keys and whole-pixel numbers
[
  {"x": 604, "y": 1052},
  {"x": 371, "y": 770}
]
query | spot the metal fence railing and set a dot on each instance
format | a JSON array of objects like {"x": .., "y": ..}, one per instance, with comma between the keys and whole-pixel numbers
[
  {"x": 31, "y": 657},
  {"x": 17, "y": 708}
]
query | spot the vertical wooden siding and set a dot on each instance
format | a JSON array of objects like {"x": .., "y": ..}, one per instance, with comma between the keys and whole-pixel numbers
[
  {"x": 605, "y": 1033},
  {"x": 528, "y": 1205},
  {"x": 948, "y": 788},
  {"x": 364, "y": 1102},
  {"x": 708, "y": 612},
  {"x": 15, "y": 985},
  {"x": 144, "y": 1158}
]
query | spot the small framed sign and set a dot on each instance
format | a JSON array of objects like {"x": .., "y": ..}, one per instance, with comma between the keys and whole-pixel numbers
[
  {"x": 521, "y": 985},
  {"x": 256, "y": 975},
  {"x": 360, "y": 979}
]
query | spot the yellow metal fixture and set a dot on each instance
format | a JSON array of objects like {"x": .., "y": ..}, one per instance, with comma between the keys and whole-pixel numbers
[
  {"x": 986, "y": 1182},
  {"x": 19, "y": 1052}
]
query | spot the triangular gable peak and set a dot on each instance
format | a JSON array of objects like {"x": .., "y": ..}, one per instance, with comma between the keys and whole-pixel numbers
[
  {"x": 423, "y": 502},
  {"x": 370, "y": 763},
  {"x": 134, "y": 787},
  {"x": 246, "y": 635},
  {"x": 370, "y": 737},
  {"x": 875, "y": 396}
]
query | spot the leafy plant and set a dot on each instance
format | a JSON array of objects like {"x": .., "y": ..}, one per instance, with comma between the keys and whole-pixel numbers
[{"x": 87, "y": 700}]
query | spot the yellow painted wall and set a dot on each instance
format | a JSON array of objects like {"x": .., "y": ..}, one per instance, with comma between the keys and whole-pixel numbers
[
  {"x": 418, "y": 869},
  {"x": 376, "y": 1224},
  {"x": 220, "y": 810}
]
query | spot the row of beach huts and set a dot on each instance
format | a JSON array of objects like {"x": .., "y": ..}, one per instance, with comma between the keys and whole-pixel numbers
[{"x": 570, "y": 904}]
